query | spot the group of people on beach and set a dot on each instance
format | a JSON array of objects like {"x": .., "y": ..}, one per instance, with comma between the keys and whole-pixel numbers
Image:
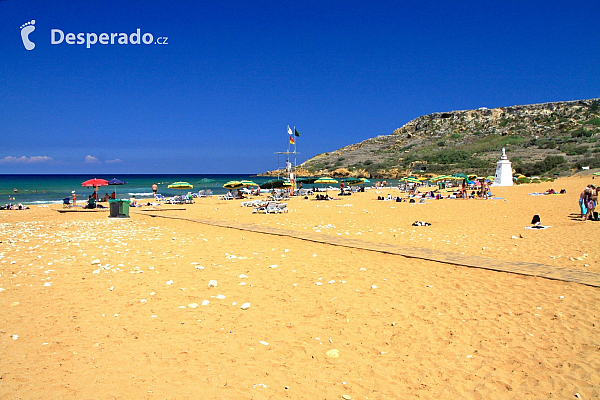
[
  {"x": 10, "y": 206},
  {"x": 587, "y": 203}
]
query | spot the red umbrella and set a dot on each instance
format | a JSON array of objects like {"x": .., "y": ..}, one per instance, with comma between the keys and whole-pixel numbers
[{"x": 95, "y": 183}]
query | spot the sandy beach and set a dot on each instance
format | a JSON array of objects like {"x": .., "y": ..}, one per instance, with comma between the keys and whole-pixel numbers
[{"x": 100, "y": 308}]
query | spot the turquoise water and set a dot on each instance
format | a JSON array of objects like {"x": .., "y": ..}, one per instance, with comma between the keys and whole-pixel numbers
[{"x": 41, "y": 189}]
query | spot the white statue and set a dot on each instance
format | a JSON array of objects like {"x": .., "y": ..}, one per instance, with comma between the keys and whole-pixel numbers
[{"x": 503, "y": 175}]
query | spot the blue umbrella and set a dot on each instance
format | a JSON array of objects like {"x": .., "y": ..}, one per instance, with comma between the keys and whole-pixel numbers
[{"x": 116, "y": 181}]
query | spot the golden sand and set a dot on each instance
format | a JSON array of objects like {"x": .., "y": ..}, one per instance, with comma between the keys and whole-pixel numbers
[{"x": 99, "y": 308}]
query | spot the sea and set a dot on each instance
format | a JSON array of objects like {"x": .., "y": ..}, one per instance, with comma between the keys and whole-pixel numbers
[
  {"x": 52, "y": 189},
  {"x": 46, "y": 189}
]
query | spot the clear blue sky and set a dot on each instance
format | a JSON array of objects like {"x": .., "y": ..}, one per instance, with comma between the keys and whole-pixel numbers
[{"x": 219, "y": 96}]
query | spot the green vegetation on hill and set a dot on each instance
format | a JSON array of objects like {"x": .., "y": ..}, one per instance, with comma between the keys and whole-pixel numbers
[{"x": 540, "y": 139}]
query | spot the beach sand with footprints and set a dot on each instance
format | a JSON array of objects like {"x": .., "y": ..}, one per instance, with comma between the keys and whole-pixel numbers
[{"x": 94, "y": 307}]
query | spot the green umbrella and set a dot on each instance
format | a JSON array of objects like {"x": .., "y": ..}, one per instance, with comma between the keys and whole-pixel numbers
[
  {"x": 357, "y": 181},
  {"x": 205, "y": 182},
  {"x": 275, "y": 184},
  {"x": 460, "y": 176},
  {"x": 307, "y": 180},
  {"x": 353, "y": 181}
]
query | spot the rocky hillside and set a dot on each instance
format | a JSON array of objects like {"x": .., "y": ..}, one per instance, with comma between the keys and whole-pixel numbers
[{"x": 540, "y": 139}]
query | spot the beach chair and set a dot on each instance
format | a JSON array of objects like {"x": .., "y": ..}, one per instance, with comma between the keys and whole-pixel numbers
[
  {"x": 251, "y": 203},
  {"x": 160, "y": 198},
  {"x": 262, "y": 207},
  {"x": 282, "y": 207},
  {"x": 272, "y": 208},
  {"x": 66, "y": 202},
  {"x": 226, "y": 197}
]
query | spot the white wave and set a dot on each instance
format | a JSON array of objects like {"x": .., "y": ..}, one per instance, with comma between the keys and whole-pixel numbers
[{"x": 141, "y": 194}]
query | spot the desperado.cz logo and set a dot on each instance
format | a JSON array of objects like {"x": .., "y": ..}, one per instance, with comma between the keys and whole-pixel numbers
[{"x": 57, "y": 36}]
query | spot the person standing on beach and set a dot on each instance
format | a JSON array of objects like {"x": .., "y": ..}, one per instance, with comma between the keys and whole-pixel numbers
[
  {"x": 74, "y": 198},
  {"x": 154, "y": 189},
  {"x": 582, "y": 207}
]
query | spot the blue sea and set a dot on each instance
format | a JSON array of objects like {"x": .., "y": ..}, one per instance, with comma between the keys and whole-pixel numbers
[{"x": 43, "y": 189}]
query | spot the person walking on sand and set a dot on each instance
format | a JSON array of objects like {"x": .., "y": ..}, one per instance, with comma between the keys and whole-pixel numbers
[
  {"x": 588, "y": 202},
  {"x": 582, "y": 207},
  {"x": 154, "y": 189}
]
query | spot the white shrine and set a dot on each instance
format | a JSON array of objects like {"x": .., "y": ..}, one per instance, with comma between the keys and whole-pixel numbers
[{"x": 503, "y": 175}]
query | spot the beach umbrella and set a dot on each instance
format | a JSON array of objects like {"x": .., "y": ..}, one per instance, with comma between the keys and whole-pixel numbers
[
  {"x": 180, "y": 186},
  {"x": 115, "y": 182},
  {"x": 205, "y": 182},
  {"x": 275, "y": 184},
  {"x": 95, "y": 183},
  {"x": 357, "y": 181},
  {"x": 307, "y": 180},
  {"x": 410, "y": 179},
  {"x": 325, "y": 181},
  {"x": 233, "y": 185},
  {"x": 249, "y": 183},
  {"x": 353, "y": 181},
  {"x": 441, "y": 178}
]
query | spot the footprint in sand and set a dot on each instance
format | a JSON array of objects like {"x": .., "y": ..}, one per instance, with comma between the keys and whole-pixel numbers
[{"x": 26, "y": 29}]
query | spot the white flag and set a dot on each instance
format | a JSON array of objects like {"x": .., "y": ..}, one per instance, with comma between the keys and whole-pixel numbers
[{"x": 290, "y": 130}]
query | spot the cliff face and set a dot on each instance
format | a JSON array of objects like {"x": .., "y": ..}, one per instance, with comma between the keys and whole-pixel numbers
[{"x": 539, "y": 138}]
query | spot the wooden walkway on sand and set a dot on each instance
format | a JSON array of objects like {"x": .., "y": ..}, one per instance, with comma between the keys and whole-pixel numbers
[{"x": 514, "y": 267}]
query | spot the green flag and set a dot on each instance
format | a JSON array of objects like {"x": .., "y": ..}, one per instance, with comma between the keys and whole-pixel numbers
[{"x": 296, "y": 133}]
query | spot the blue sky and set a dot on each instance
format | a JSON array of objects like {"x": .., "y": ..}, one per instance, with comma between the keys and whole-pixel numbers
[{"x": 217, "y": 98}]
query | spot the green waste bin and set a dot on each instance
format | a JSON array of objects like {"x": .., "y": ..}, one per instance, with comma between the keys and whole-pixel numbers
[{"x": 119, "y": 208}]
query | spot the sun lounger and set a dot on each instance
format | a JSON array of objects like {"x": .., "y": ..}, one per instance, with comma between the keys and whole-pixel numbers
[
  {"x": 66, "y": 202},
  {"x": 251, "y": 203},
  {"x": 271, "y": 207},
  {"x": 226, "y": 197}
]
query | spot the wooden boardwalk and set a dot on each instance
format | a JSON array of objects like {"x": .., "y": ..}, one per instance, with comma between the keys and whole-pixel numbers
[{"x": 514, "y": 267}]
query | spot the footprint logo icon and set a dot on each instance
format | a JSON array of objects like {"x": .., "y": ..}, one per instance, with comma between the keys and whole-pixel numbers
[{"x": 26, "y": 29}]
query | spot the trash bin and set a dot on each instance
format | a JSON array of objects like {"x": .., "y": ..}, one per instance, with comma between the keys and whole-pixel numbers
[
  {"x": 118, "y": 208},
  {"x": 124, "y": 209},
  {"x": 114, "y": 208}
]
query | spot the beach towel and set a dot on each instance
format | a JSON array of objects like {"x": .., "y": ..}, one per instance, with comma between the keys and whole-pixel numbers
[{"x": 537, "y": 227}]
